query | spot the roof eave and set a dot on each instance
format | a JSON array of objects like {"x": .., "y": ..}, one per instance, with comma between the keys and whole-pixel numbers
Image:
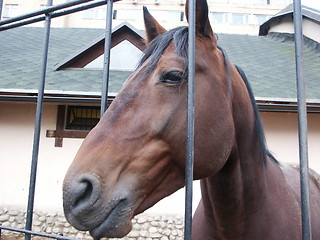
[
  {"x": 54, "y": 97},
  {"x": 93, "y": 98}
]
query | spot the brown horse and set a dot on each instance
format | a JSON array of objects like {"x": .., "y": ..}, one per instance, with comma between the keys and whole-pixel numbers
[{"x": 135, "y": 156}]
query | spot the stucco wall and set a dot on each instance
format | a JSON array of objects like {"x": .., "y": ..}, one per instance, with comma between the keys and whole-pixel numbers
[
  {"x": 282, "y": 136},
  {"x": 16, "y": 140},
  {"x": 16, "y": 128}
]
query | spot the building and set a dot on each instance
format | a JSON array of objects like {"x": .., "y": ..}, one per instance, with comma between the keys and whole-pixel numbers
[
  {"x": 282, "y": 22},
  {"x": 229, "y": 16}
]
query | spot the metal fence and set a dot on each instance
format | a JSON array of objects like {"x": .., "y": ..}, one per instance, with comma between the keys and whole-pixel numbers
[{"x": 51, "y": 11}]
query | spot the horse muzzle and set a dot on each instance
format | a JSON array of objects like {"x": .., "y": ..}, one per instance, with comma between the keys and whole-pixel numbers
[{"x": 87, "y": 208}]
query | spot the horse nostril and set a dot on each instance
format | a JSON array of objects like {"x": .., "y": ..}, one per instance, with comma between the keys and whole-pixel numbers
[{"x": 82, "y": 194}]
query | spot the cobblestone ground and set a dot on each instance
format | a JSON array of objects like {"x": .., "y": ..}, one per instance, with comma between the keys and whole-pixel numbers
[
  {"x": 18, "y": 237},
  {"x": 145, "y": 227}
]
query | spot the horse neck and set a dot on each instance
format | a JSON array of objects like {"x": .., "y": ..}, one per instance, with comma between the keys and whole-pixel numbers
[{"x": 239, "y": 187}]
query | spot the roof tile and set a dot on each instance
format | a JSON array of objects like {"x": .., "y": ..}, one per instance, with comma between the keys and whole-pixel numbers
[{"x": 269, "y": 62}]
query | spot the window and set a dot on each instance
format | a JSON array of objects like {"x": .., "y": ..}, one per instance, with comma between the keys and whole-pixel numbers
[
  {"x": 219, "y": 1},
  {"x": 95, "y": 13},
  {"x": 82, "y": 118},
  {"x": 181, "y": 16},
  {"x": 260, "y": 19},
  {"x": 219, "y": 17},
  {"x": 74, "y": 122},
  {"x": 10, "y": 10},
  {"x": 280, "y": 2},
  {"x": 162, "y": 15},
  {"x": 114, "y": 15},
  {"x": 239, "y": 18},
  {"x": 262, "y": 1},
  {"x": 175, "y": 16},
  {"x": 129, "y": 14}
]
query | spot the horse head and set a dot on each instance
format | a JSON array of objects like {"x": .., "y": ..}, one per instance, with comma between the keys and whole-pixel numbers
[{"x": 135, "y": 156}]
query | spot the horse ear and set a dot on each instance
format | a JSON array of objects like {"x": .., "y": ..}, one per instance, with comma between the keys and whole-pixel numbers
[
  {"x": 153, "y": 28},
  {"x": 202, "y": 19}
]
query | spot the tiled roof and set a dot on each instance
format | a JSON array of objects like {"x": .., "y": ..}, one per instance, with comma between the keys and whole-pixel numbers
[
  {"x": 306, "y": 11},
  {"x": 20, "y": 59},
  {"x": 268, "y": 62}
]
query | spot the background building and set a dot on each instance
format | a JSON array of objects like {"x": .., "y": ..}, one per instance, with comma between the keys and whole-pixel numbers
[{"x": 228, "y": 16}]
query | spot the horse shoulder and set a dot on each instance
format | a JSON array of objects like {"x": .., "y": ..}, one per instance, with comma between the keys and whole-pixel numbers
[{"x": 292, "y": 176}]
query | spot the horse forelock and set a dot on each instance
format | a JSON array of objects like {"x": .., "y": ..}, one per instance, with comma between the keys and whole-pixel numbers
[{"x": 158, "y": 45}]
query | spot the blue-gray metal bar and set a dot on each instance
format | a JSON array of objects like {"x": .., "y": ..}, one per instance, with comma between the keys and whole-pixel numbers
[
  {"x": 1, "y": 6},
  {"x": 58, "y": 236},
  {"x": 42, "y": 11},
  {"x": 303, "y": 126},
  {"x": 37, "y": 128},
  {"x": 190, "y": 121},
  {"x": 54, "y": 15},
  {"x": 107, "y": 45}
]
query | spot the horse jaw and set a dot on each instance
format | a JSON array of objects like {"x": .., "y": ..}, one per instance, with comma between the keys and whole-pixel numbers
[{"x": 102, "y": 201}]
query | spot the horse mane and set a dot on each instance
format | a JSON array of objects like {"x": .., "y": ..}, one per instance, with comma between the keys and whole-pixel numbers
[
  {"x": 158, "y": 45},
  {"x": 180, "y": 37},
  {"x": 265, "y": 152}
]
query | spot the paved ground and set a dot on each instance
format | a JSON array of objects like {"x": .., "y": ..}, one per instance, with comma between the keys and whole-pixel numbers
[{"x": 19, "y": 237}]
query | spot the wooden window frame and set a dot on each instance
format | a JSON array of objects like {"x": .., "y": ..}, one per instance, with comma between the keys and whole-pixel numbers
[{"x": 60, "y": 133}]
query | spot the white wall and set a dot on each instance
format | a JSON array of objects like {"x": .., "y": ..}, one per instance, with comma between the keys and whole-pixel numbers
[
  {"x": 16, "y": 128},
  {"x": 309, "y": 27},
  {"x": 16, "y": 140},
  {"x": 282, "y": 137}
]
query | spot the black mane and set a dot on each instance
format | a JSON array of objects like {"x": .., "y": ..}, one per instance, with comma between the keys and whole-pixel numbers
[
  {"x": 180, "y": 37},
  {"x": 158, "y": 45},
  {"x": 262, "y": 139}
]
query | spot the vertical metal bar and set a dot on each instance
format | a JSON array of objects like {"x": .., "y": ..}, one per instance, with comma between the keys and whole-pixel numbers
[
  {"x": 190, "y": 121},
  {"x": 1, "y": 6},
  {"x": 302, "y": 117},
  {"x": 37, "y": 128},
  {"x": 106, "y": 65}
]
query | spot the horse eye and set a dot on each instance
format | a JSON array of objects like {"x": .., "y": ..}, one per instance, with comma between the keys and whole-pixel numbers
[{"x": 172, "y": 77}]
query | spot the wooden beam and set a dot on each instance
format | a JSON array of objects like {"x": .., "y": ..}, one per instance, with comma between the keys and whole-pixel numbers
[
  {"x": 66, "y": 134},
  {"x": 60, "y": 124}
]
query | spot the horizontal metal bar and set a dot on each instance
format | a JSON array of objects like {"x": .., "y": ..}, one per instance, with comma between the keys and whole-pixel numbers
[
  {"x": 36, "y": 233},
  {"x": 54, "y": 15},
  {"x": 96, "y": 100},
  {"x": 43, "y": 11}
]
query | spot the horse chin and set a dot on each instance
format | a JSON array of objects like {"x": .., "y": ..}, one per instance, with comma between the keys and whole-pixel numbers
[
  {"x": 117, "y": 223},
  {"x": 114, "y": 222},
  {"x": 112, "y": 228}
]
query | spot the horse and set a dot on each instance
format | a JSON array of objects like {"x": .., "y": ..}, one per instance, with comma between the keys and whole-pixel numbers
[{"x": 135, "y": 155}]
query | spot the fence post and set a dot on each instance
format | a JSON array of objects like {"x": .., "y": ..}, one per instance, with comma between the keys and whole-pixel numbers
[
  {"x": 1, "y": 5},
  {"x": 190, "y": 121},
  {"x": 107, "y": 44},
  {"x": 303, "y": 127},
  {"x": 37, "y": 128}
]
